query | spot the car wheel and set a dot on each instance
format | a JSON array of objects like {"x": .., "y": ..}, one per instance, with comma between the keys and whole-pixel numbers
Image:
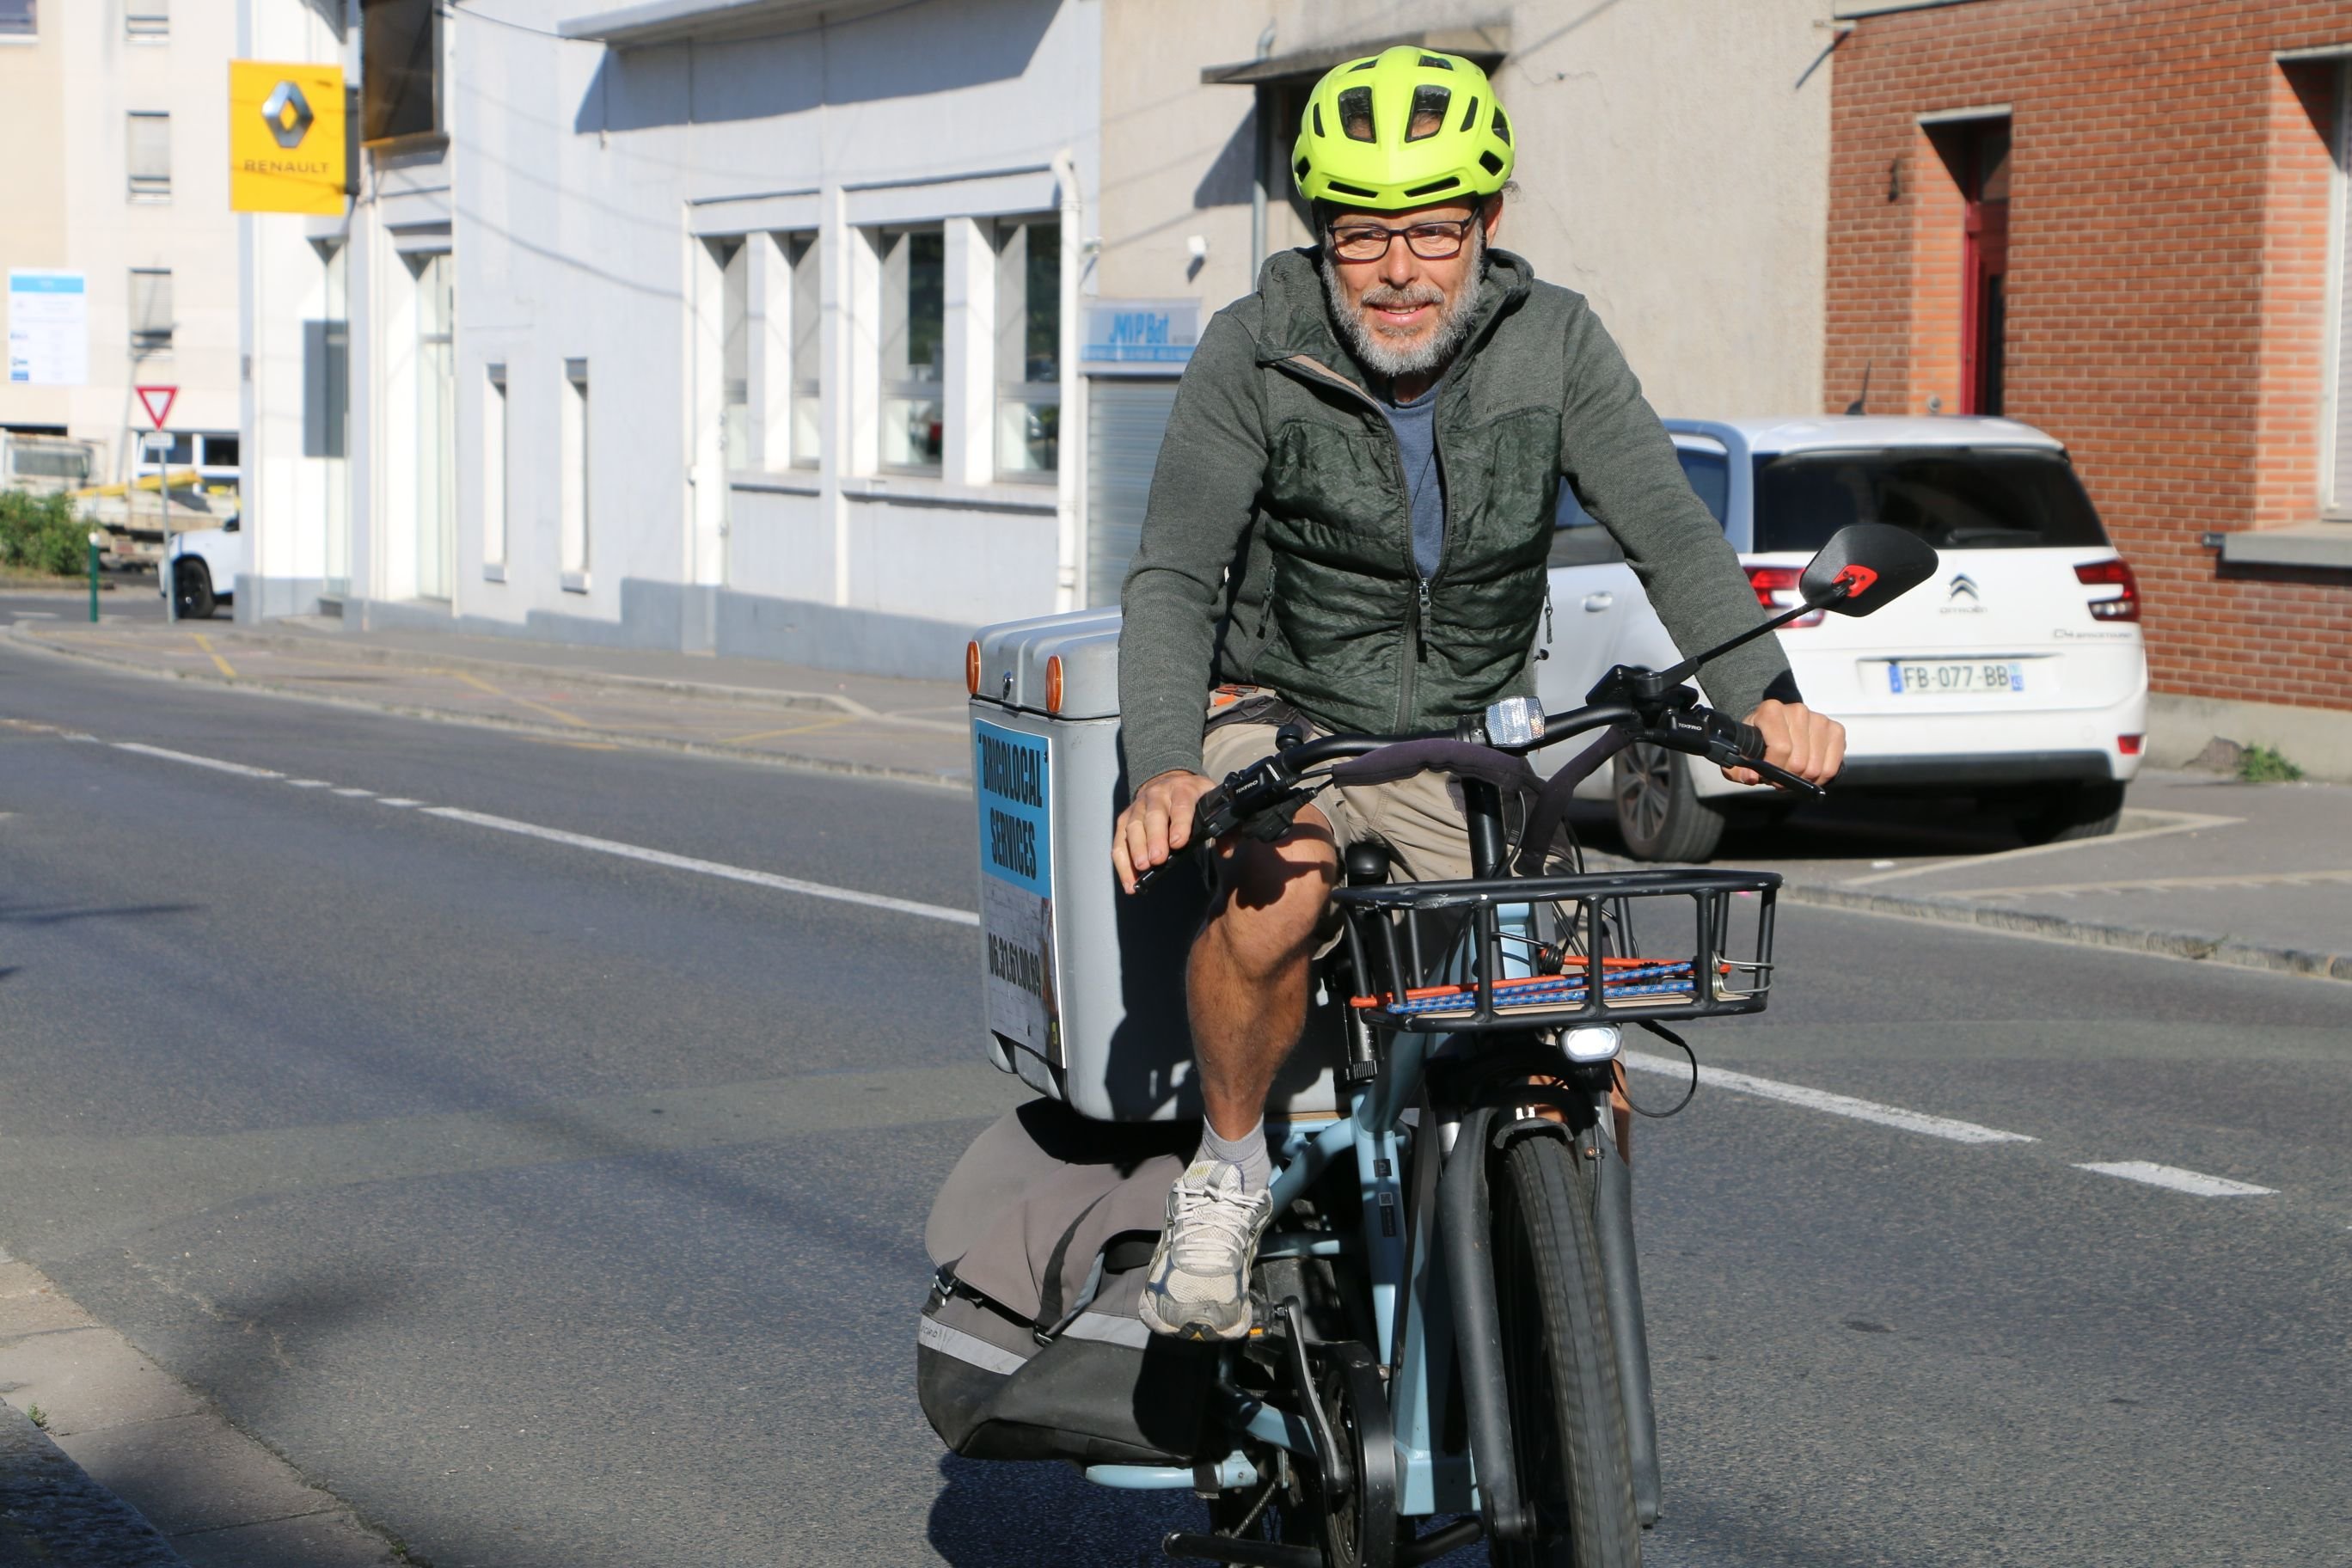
[
  {"x": 2073, "y": 811},
  {"x": 193, "y": 600},
  {"x": 1659, "y": 812}
]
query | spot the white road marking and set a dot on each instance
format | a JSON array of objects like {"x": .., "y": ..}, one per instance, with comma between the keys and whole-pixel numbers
[
  {"x": 356, "y": 793},
  {"x": 398, "y": 800},
  {"x": 2192, "y": 1182},
  {"x": 2175, "y": 822},
  {"x": 706, "y": 867},
  {"x": 213, "y": 763},
  {"x": 1821, "y": 1100},
  {"x": 308, "y": 784}
]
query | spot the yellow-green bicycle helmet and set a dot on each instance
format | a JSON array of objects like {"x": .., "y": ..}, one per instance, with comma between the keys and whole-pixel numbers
[{"x": 1402, "y": 129}]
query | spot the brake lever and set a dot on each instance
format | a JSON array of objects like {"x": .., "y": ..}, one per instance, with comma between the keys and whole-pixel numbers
[{"x": 1211, "y": 815}]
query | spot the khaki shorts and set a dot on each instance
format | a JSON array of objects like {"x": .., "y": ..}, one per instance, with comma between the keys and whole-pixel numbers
[{"x": 1419, "y": 819}]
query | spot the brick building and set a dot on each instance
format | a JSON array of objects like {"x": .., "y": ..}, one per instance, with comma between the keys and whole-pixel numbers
[{"x": 2125, "y": 221}]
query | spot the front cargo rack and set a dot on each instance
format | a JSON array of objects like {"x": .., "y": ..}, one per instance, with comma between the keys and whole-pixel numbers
[{"x": 1540, "y": 953}]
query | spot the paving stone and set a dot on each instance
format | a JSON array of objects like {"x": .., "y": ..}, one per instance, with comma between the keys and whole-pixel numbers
[
  {"x": 53, "y": 1514},
  {"x": 90, "y": 1379},
  {"x": 195, "y": 1472}
]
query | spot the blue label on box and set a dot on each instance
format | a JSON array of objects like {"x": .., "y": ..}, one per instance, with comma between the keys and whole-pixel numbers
[{"x": 1011, "y": 777}]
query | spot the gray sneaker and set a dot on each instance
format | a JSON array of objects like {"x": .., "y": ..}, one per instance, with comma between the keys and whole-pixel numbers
[{"x": 1198, "y": 1288}]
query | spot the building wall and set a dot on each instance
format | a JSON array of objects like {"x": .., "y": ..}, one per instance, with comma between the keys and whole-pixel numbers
[
  {"x": 584, "y": 188},
  {"x": 1672, "y": 167},
  {"x": 2167, "y": 292},
  {"x": 78, "y": 86}
]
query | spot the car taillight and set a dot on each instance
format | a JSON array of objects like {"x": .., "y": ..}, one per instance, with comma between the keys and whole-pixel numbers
[
  {"x": 1776, "y": 590},
  {"x": 2123, "y": 606}
]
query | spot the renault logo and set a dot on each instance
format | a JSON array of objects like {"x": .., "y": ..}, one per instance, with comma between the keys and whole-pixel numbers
[
  {"x": 289, "y": 114},
  {"x": 1963, "y": 583}
]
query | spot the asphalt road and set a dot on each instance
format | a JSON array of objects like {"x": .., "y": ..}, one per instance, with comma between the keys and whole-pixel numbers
[{"x": 558, "y": 1207}]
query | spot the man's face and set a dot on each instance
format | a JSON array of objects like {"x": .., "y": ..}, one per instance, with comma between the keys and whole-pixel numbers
[{"x": 1405, "y": 313}]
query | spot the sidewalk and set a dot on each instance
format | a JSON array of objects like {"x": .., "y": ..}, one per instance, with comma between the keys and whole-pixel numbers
[
  {"x": 114, "y": 1431},
  {"x": 2255, "y": 876},
  {"x": 753, "y": 709}
]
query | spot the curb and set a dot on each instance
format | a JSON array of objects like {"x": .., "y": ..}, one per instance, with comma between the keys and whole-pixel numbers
[
  {"x": 791, "y": 761},
  {"x": 2220, "y": 950}
]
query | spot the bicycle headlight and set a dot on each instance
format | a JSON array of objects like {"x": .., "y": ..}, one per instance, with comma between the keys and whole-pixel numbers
[
  {"x": 1514, "y": 721},
  {"x": 1590, "y": 1043}
]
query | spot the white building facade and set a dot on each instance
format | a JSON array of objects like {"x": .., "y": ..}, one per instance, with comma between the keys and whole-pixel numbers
[
  {"x": 742, "y": 327},
  {"x": 114, "y": 206}
]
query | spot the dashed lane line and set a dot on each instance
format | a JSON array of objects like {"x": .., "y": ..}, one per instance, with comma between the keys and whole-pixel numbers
[
  {"x": 2195, "y": 1182},
  {"x": 705, "y": 867},
  {"x": 195, "y": 761},
  {"x": 352, "y": 794},
  {"x": 1823, "y": 1099},
  {"x": 2171, "y": 1177}
]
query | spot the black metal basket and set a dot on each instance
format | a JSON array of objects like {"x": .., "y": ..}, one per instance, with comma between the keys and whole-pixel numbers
[{"x": 1540, "y": 953}]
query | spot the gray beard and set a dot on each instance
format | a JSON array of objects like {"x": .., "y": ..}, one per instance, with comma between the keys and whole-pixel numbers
[{"x": 1393, "y": 361}]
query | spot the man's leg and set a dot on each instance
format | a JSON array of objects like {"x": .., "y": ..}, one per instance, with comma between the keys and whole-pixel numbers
[{"x": 1247, "y": 988}]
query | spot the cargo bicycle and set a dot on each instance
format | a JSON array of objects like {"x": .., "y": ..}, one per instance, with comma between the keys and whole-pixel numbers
[{"x": 1448, "y": 1305}]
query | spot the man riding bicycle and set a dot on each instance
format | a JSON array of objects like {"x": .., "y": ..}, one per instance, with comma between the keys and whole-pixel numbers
[{"x": 1349, "y": 529}]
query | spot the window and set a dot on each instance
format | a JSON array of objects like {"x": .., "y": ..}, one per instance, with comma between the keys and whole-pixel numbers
[
  {"x": 735, "y": 350},
  {"x": 914, "y": 336},
  {"x": 147, "y": 21},
  {"x": 17, "y": 19},
  {"x": 436, "y": 425},
  {"x": 400, "y": 69},
  {"x": 1028, "y": 349},
  {"x": 151, "y": 310},
  {"x": 807, "y": 347},
  {"x": 494, "y": 469},
  {"x": 1709, "y": 473},
  {"x": 1974, "y": 498},
  {"x": 148, "y": 151},
  {"x": 573, "y": 444}
]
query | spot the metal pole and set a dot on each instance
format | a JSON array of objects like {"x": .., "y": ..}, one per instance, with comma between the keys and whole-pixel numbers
[
  {"x": 163, "y": 523},
  {"x": 93, "y": 577}
]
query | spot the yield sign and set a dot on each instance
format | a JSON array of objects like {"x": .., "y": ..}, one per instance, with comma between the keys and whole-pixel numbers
[{"x": 157, "y": 401}]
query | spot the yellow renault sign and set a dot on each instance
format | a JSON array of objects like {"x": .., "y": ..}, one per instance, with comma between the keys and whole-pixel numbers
[{"x": 285, "y": 138}]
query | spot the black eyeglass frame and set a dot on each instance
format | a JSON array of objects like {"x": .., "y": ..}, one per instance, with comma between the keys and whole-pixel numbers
[{"x": 1461, "y": 227}]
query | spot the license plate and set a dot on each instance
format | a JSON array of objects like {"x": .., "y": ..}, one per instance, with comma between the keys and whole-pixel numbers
[
  {"x": 1917, "y": 677},
  {"x": 1012, "y": 777}
]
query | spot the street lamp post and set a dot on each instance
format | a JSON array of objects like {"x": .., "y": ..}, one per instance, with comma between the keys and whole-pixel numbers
[{"x": 96, "y": 538}]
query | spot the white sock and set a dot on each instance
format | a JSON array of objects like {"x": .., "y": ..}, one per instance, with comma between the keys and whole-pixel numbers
[{"x": 1246, "y": 1153}]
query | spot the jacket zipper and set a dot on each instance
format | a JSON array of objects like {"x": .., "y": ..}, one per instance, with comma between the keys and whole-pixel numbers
[{"x": 1414, "y": 642}]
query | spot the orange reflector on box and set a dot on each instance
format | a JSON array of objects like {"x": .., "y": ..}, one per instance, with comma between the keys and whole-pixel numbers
[
  {"x": 971, "y": 669},
  {"x": 1054, "y": 684}
]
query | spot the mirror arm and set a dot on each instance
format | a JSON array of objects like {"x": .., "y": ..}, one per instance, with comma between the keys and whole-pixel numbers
[{"x": 1690, "y": 667}]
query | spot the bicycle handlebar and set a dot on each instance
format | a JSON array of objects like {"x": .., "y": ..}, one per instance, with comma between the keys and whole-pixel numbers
[{"x": 1265, "y": 794}]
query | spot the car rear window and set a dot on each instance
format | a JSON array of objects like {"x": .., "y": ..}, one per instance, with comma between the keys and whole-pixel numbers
[
  {"x": 1954, "y": 498},
  {"x": 1709, "y": 474}
]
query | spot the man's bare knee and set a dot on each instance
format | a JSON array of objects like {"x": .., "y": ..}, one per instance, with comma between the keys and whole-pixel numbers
[{"x": 1271, "y": 898}]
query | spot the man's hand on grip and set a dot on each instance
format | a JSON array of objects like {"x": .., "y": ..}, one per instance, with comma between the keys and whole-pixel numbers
[
  {"x": 1809, "y": 744},
  {"x": 1156, "y": 824}
]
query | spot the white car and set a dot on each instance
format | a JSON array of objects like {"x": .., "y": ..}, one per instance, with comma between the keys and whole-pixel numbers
[
  {"x": 2016, "y": 675},
  {"x": 204, "y": 564}
]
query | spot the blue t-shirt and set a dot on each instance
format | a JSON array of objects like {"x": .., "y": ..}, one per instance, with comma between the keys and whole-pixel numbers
[{"x": 1415, "y": 424}]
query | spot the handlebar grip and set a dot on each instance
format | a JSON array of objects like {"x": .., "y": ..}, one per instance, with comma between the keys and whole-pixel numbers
[
  {"x": 1747, "y": 739},
  {"x": 1206, "y": 813}
]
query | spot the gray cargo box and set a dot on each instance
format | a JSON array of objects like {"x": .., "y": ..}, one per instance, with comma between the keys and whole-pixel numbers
[{"x": 1084, "y": 984}]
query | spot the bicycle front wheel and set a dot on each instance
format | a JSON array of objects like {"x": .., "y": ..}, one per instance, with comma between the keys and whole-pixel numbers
[{"x": 1568, "y": 1413}]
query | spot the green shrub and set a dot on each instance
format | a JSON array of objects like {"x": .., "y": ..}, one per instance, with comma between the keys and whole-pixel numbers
[
  {"x": 40, "y": 533},
  {"x": 2261, "y": 765}
]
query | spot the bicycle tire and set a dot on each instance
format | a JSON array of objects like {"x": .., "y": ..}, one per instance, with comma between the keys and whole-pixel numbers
[{"x": 1559, "y": 1362}]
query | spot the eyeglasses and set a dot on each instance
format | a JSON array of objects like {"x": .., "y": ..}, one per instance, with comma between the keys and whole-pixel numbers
[{"x": 1434, "y": 242}]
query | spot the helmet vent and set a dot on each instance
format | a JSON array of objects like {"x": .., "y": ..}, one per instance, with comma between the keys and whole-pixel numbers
[
  {"x": 1488, "y": 162},
  {"x": 1365, "y": 65},
  {"x": 1434, "y": 186},
  {"x": 1471, "y": 117},
  {"x": 1356, "y": 114},
  {"x": 1318, "y": 121},
  {"x": 1429, "y": 107},
  {"x": 1436, "y": 63},
  {"x": 1337, "y": 188},
  {"x": 1304, "y": 164},
  {"x": 1502, "y": 127}
]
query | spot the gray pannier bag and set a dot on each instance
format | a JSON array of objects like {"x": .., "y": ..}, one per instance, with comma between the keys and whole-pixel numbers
[{"x": 1029, "y": 1347}]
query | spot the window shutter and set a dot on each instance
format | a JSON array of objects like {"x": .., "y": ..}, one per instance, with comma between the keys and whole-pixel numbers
[{"x": 150, "y": 154}]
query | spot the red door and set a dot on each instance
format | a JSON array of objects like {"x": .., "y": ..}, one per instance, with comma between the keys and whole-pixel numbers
[{"x": 1984, "y": 267}]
